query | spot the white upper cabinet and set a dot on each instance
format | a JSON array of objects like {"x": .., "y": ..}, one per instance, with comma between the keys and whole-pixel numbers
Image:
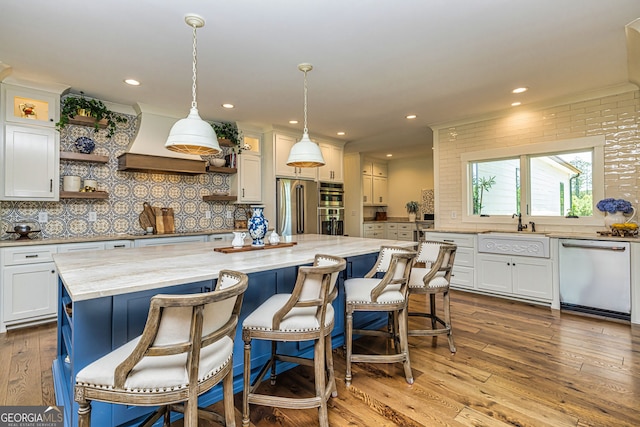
[
  {"x": 374, "y": 183},
  {"x": 332, "y": 170},
  {"x": 31, "y": 163},
  {"x": 30, "y": 106},
  {"x": 247, "y": 183},
  {"x": 283, "y": 144},
  {"x": 29, "y": 143}
]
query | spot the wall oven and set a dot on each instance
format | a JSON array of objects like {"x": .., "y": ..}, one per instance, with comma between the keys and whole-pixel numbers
[
  {"x": 331, "y": 221},
  {"x": 331, "y": 194}
]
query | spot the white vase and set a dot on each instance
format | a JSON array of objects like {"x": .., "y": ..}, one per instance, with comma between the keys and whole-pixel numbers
[
  {"x": 412, "y": 217},
  {"x": 614, "y": 218}
]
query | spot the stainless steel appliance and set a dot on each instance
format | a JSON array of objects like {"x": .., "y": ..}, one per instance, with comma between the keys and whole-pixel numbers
[
  {"x": 331, "y": 194},
  {"x": 331, "y": 221},
  {"x": 595, "y": 277},
  {"x": 297, "y": 204}
]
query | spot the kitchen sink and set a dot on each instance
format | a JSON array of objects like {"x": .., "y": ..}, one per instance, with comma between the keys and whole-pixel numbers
[{"x": 517, "y": 243}]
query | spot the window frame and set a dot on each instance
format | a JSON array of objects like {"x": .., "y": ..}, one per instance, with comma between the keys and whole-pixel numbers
[{"x": 524, "y": 152}]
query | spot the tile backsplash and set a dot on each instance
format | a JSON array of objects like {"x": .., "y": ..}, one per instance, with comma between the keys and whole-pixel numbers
[{"x": 69, "y": 218}]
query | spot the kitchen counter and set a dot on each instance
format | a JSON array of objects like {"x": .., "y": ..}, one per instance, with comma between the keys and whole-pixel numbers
[
  {"x": 51, "y": 241},
  {"x": 550, "y": 234},
  {"x": 94, "y": 274}
]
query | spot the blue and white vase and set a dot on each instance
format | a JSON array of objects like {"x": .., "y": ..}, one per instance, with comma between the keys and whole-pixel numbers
[{"x": 258, "y": 226}]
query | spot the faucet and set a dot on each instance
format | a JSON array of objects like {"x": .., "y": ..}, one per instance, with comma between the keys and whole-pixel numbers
[
  {"x": 533, "y": 226},
  {"x": 520, "y": 225}
]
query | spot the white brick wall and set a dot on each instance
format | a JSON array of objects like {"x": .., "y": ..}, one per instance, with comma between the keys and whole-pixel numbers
[{"x": 617, "y": 117}]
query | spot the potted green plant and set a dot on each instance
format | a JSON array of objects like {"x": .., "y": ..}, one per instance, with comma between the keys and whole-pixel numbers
[
  {"x": 73, "y": 106},
  {"x": 412, "y": 209},
  {"x": 230, "y": 132}
]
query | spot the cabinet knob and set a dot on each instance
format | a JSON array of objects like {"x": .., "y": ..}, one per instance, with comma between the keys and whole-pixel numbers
[{"x": 53, "y": 271}]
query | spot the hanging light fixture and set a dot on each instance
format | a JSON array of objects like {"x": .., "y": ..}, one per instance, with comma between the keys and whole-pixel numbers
[
  {"x": 305, "y": 153},
  {"x": 192, "y": 135}
]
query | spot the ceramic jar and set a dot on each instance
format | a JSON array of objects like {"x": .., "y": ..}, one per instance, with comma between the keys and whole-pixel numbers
[
  {"x": 238, "y": 239},
  {"x": 258, "y": 226},
  {"x": 617, "y": 217}
]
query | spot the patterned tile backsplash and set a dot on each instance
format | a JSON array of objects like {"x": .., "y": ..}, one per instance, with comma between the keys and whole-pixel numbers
[{"x": 118, "y": 214}]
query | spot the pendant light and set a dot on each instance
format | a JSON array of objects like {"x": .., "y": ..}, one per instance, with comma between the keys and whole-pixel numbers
[
  {"x": 192, "y": 135},
  {"x": 305, "y": 153}
]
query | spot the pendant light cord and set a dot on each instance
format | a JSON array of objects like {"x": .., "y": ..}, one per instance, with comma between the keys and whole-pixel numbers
[
  {"x": 305, "y": 103},
  {"x": 194, "y": 104}
]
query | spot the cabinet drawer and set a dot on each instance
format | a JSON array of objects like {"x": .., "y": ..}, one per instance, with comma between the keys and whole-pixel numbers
[
  {"x": 464, "y": 257},
  {"x": 81, "y": 247},
  {"x": 368, "y": 227},
  {"x": 463, "y": 240},
  {"x": 462, "y": 277},
  {"x": 117, "y": 244},
  {"x": 28, "y": 255},
  {"x": 392, "y": 226},
  {"x": 406, "y": 227},
  {"x": 405, "y": 235}
]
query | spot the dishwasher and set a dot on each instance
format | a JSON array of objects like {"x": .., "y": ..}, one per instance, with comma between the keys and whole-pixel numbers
[{"x": 595, "y": 277}]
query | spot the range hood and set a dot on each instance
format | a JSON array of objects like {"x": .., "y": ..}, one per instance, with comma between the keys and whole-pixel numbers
[{"x": 146, "y": 152}]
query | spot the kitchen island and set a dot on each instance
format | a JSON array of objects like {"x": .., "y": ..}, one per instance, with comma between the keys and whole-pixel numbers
[{"x": 104, "y": 298}]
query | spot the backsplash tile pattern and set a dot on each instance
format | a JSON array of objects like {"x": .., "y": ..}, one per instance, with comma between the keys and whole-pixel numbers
[
  {"x": 118, "y": 214},
  {"x": 427, "y": 202},
  {"x": 617, "y": 117}
]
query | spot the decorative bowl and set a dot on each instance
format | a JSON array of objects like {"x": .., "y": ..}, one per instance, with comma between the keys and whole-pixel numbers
[
  {"x": 85, "y": 145},
  {"x": 217, "y": 162}
]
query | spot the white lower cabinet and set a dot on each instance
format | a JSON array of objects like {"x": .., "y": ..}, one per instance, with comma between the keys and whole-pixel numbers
[
  {"x": 525, "y": 277},
  {"x": 463, "y": 274},
  {"x": 224, "y": 237},
  {"x": 374, "y": 231},
  {"x": 29, "y": 285}
]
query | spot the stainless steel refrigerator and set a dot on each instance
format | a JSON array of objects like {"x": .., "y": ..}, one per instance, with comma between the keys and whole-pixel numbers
[{"x": 297, "y": 207}]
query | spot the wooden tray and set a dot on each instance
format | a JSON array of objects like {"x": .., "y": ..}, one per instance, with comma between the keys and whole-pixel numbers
[{"x": 231, "y": 249}]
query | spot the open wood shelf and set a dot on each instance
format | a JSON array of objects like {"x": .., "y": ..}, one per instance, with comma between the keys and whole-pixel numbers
[
  {"x": 87, "y": 121},
  {"x": 84, "y": 195},
  {"x": 219, "y": 198},
  {"x": 222, "y": 169},
  {"x": 81, "y": 157}
]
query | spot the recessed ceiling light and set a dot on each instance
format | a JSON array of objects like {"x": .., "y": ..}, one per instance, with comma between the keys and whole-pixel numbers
[
  {"x": 132, "y": 82},
  {"x": 228, "y": 106},
  {"x": 340, "y": 133},
  {"x": 411, "y": 116},
  {"x": 293, "y": 122},
  {"x": 389, "y": 155},
  {"x": 520, "y": 90},
  {"x": 515, "y": 104}
]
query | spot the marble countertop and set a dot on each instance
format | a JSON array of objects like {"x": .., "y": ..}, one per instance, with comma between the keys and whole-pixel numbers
[
  {"x": 550, "y": 234},
  {"x": 94, "y": 274},
  {"x": 101, "y": 238}
]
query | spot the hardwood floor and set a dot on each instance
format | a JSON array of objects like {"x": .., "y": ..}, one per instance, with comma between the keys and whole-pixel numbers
[{"x": 516, "y": 365}]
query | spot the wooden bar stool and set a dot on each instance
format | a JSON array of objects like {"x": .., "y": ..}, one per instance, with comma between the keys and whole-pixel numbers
[
  {"x": 431, "y": 275},
  {"x": 186, "y": 348},
  {"x": 388, "y": 294},
  {"x": 305, "y": 314}
]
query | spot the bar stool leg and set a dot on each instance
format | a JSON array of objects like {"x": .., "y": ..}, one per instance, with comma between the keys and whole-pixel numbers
[
  {"x": 274, "y": 348},
  {"x": 329, "y": 361},
  {"x": 447, "y": 319},
  {"x": 319, "y": 372},
  {"x": 404, "y": 343},
  {"x": 349, "y": 341},
  {"x": 247, "y": 383}
]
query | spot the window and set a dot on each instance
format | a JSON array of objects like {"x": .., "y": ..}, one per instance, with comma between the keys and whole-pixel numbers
[{"x": 547, "y": 181}]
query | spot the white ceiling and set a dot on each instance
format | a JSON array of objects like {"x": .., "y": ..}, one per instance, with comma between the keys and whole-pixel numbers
[{"x": 375, "y": 61}]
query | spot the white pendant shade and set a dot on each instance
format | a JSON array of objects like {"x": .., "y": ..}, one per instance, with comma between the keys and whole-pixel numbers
[
  {"x": 192, "y": 135},
  {"x": 305, "y": 154}
]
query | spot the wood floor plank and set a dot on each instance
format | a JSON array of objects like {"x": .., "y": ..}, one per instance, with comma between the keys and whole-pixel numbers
[{"x": 516, "y": 365}]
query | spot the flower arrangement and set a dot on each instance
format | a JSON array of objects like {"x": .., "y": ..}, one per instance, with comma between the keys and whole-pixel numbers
[{"x": 614, "y": 205}]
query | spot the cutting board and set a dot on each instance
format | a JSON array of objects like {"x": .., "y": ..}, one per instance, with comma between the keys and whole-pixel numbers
[
  {"x": 165, "y": 222},
  {"x": 147, "y": 217}
]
